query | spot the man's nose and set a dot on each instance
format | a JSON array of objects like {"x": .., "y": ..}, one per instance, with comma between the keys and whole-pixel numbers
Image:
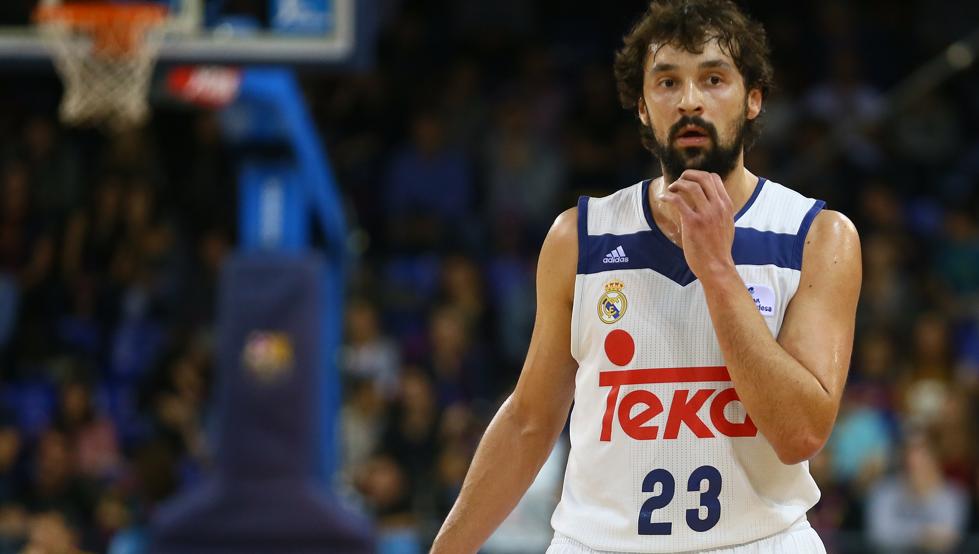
[{"x": 691, "y": 102}]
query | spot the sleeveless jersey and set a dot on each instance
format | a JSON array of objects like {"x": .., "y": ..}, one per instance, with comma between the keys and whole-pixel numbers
[{"x": 663, "y": 456}]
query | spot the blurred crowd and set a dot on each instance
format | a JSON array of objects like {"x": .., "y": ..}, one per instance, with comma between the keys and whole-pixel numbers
[
  {"x": 478, "y": 124},
  {"x": 106, "y": 301}
]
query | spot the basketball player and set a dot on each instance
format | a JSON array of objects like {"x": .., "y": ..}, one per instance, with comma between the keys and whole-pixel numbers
[{"x": 703, "y": 330}]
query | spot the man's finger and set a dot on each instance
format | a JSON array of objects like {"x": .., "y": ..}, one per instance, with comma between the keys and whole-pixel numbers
[
  {"x": 693, "y": 192},
  {"x": 702, "y": 178},
  {"x": 694, "y": 174},
  {"x": 679, "y": 202},
  {"x": 722, "y": 193}
]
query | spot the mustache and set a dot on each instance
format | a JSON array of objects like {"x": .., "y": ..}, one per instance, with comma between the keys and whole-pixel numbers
[{"x": 693, "y": 120}]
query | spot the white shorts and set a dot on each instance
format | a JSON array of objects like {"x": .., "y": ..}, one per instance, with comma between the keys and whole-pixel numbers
[{"x": 801, "y": 538}]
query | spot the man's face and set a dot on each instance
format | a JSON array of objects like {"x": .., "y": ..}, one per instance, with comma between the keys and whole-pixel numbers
[{"x": 696, "y": 106}]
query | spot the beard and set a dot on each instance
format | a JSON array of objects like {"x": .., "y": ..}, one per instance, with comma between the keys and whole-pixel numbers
[{"x": 716, "y": 158}]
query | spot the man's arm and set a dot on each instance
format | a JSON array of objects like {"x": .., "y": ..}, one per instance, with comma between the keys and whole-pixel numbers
[
  {"x": 521, "y": 435},
  {"x": 791, "y": 387}
]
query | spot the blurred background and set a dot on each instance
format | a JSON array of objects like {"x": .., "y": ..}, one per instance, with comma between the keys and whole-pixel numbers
[{"x": 474, "y": 126}]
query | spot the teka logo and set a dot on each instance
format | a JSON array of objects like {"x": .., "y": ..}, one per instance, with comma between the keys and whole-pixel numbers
[{"x": 683, "y": 407}]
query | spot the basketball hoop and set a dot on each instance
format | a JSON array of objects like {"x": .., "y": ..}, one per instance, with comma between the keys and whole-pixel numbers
[{"x": 105, "y": 54}]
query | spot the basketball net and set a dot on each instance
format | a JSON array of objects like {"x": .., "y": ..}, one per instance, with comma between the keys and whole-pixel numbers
[{"x": 105, "y": 54}]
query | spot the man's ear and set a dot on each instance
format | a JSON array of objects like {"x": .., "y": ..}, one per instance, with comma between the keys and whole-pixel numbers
[
  {"x": 643, "y": 115},
  {"x": 754, "y": 103}
]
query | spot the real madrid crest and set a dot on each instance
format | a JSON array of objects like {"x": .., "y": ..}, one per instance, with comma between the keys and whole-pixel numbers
[{"x": 612, "y": 304}]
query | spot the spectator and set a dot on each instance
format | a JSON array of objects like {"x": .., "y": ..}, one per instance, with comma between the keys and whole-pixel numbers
[
  {"x": 93, "y": 233},
  {"x": 926, "y": 384},
  {"x": 361, "y": 420},
  {"x": 14, "y": 528},
  {"x": 954, "y": 439},
  {"x": 386, "y": 487},
  {"x": 79, "y": 330},
  {"x": 464, "y": 106},
  {"x": 462, "y": 288},
  {"x": 958, "y": 259},
  {"x": 56, "y": 486},
  {"x": 112, "y": 515},
  {"x": 510, "y": 279},
  {"x": 457, "y": 363},
  {"x": 861, "y": 440},
  {"x": 525, "y": 172},
  {"x": 26, "y": 246},
  {"x": 50, "y": 532},
  {"x": 411, "y": 429},
  {"x": 917, "y": 509},
  {"x": 885, "y": 296},
  {"x": 91, "y": 435},
  {"x": 849, "y": 102},
  {"x": 368, "y": 354},
  {"x": 12, "y": 475},
  {"x": 429, "y": 188},
  {"x": 54, "y": 167}
]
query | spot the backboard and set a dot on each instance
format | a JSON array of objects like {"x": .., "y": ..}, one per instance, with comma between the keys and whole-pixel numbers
[{"x": 296, "y": 32}]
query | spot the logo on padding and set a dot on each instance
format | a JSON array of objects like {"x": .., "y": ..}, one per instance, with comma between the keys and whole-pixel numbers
[{"x": 268, "y": 356}]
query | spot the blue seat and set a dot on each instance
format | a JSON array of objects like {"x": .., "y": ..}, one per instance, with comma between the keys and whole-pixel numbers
[{"x": 33, "y": 404}]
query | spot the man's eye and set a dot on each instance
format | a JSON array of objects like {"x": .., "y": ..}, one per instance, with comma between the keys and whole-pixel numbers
[
  {"x": 666, "y": 83},
  {"x": 714, "y": 79}
]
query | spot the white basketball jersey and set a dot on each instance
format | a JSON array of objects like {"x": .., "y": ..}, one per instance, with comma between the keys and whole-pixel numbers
[{"x": 663, "y": 456}]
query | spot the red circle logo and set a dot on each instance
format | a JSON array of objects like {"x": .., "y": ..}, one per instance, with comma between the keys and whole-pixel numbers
[{"x": 619, "y": 347}]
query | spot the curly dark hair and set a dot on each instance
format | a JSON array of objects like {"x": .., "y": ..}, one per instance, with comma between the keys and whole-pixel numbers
[{"x": 690, "y": 24}]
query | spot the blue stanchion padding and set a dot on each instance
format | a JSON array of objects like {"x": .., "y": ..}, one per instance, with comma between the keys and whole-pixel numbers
[
  {"x": 270, "y": 109},
  {"x": 274, "y": 212},
  {"x": 263, "y": 496}
]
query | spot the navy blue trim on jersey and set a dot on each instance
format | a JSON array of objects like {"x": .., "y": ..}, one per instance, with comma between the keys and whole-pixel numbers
[
  {"x": 642, "y": 251},
  {"x": 754, "y": 247},
  {"x": 803, "y": 231},
  {"x": 651, "y": 250},
  {"x": 583, "y": 241},
  {"x": 646, "y": 210},
  {"x": 751, "y": 199}
]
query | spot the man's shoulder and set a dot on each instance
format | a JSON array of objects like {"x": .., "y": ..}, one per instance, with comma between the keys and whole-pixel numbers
[
  {"x": 565, "y": 226},
  {"x": 831, "y": 250},
  {"x": 832, "y": 226},
  {"x": 618, "y": 213}
]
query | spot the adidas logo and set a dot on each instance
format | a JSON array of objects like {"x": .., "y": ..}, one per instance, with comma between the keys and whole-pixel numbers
[{"x": 616, "y": 256}]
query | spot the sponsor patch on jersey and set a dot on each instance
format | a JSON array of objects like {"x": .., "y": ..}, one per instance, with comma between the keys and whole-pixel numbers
[
  {"x": 612, "y": 305},
  {"x": 764, "y": 298}
]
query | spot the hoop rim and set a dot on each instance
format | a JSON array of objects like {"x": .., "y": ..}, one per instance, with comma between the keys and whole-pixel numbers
[{"x": 102, "y": 14}]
